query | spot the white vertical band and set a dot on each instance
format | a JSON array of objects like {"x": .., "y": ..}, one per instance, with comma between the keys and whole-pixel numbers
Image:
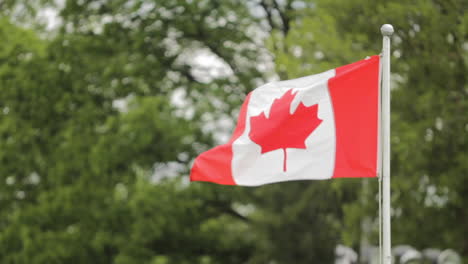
[{"x": 387, "y": 31}]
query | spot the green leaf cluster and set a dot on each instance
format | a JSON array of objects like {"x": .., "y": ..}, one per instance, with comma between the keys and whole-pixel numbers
[
  {"x": 429, "y": 106},
  {"x": 101, "y": 117}
]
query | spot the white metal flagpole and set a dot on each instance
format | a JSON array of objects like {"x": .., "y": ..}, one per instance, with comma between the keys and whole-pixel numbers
[{"x": 387, "y": 31}]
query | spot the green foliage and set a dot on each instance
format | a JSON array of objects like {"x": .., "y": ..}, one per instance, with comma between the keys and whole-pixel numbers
[
  {"x": 429, "y": 142},
  {"x": 88, "y": 125},
  {"x": 95, "y": 114},
  {"x": 297, "y": 225}
]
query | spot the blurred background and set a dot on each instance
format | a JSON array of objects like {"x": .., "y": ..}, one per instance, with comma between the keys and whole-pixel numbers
[{"x": 104, "y": 105}]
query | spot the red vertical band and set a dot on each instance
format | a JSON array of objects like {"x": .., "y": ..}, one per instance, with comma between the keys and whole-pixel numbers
[
  {"x": 214, "y": 165},
  {"x": 354, "y": 93}
]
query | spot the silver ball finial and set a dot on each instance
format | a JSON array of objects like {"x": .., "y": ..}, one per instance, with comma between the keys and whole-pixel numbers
[{"x": 387, "y": 30}]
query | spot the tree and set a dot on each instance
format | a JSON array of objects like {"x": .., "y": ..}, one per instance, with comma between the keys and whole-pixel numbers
[
  {"x": 95, "y": 114},
  {"x": 429, "y": 140},
  {"x": 88, "y": 124}
]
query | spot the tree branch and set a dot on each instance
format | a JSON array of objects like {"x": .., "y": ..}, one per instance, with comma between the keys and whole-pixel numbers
[
  {"x": 285, "y": 20},
  {"x": 269, "y": 15}
]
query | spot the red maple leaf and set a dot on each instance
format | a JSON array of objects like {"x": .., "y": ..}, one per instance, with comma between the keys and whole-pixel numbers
[{"x": 281, "y": 129}]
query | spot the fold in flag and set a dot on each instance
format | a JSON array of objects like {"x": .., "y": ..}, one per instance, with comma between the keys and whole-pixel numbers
[{"x": 316, "y": 127}]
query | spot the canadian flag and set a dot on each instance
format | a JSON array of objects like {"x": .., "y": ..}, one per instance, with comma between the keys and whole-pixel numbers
[{"x": 316, "y": 127}]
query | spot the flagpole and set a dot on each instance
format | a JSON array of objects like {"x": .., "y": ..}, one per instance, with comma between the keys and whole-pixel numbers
[{"x": 387, "y": 31}]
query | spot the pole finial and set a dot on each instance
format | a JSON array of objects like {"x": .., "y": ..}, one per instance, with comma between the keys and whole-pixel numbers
[{"x": 386, "y": 29}]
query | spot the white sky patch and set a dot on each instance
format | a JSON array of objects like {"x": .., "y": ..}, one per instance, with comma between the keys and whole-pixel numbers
[
  {"x": 244, "y": 209},
  {"x": 20, "y": 195},
  {"x": 10, "y": 180},
  {"x": 120, "y": 191},
  {"x": 206, "y": 66},
  {"x": 167, "y": 170},
  {"x": 50, "y": 15},
  {"x": 221, "y": 127},
  {"x": 34, "y": 178},
  {"x": 179, "y": 100},
  {"x": 224, "y": 126},
  {"x": 51, "y": 18},
  {"x": 436, "y": 196},
  {"x": 121, "y": 104},
  {"x": 439, "y": 123}
]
